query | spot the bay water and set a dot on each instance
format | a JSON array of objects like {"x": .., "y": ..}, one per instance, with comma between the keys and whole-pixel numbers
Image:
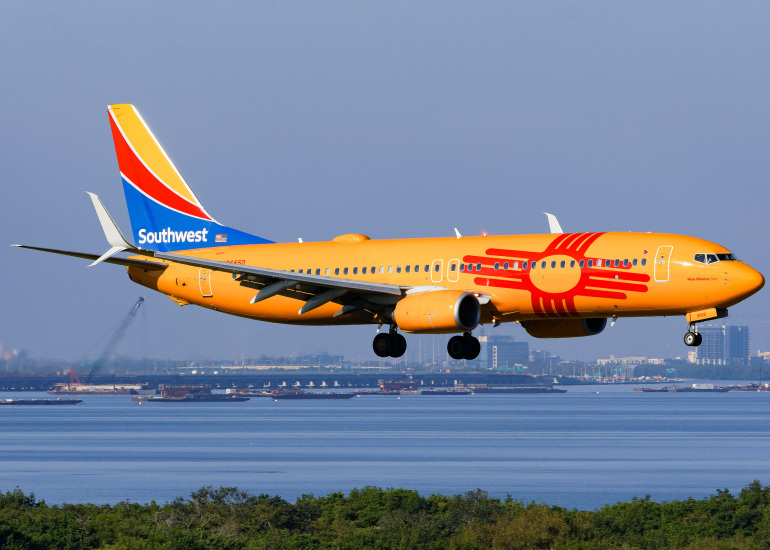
[{"x": 591, "y": 446}]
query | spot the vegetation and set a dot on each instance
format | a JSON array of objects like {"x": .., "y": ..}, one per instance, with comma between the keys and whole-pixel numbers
[{"x": 228, "y": 519}]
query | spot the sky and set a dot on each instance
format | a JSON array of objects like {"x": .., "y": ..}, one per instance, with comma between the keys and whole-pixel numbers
[{"x": 392, "y": 119}]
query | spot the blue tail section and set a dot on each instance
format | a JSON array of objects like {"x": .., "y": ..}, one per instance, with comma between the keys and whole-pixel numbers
[
  {"x": 156, "y": 227},
  {"x": 165, "y": 214}
]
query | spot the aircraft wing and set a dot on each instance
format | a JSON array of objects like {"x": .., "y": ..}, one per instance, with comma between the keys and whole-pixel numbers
[
  {"x": 129, "y": 262},
  {"x": 263, "y": 273}
]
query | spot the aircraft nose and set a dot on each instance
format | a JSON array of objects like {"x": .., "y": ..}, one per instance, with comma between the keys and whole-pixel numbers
[{"x": 748, "y": 280}]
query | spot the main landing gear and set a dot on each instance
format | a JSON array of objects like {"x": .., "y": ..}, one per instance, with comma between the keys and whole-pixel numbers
[
  {"x": 692, "y": 338},
  {"x": 463, "y": 347},
  {"x": 389, "y": 344}
]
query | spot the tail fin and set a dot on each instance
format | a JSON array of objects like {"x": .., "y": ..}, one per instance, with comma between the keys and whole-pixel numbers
[{"x": 165, "y": 214}]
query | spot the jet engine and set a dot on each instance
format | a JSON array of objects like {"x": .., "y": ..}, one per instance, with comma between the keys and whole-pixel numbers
[
  {"x": 564, "y": 328},
  {"x": 438, "y": 312}
]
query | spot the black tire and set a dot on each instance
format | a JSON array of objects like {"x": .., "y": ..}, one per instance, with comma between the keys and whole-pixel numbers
[
  {"x": 690, "y": 338},
  {"x": 398, "y": 344},
  {"x": 382, "y": 345},
  {"x": 472, "y": 348},
  {"x": 455, "y": 347},
  {"x": 698, "y": 339}
]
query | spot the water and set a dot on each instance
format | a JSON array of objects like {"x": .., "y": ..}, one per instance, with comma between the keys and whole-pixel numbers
[{"x": 580, "y": 449}]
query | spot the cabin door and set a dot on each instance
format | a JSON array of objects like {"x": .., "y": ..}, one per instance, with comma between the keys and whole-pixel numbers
[
  {"x": 204, "y": 278},
  {"x": 662, "y": 261}
]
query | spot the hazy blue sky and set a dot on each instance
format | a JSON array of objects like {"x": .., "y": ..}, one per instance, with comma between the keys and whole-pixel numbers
[{"x": 393, "y": 119}]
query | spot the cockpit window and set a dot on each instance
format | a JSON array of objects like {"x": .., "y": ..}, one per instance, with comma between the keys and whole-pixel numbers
[{"x": 714, "y": 258}]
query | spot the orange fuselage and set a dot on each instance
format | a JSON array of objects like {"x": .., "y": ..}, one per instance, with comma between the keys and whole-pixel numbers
[{"x": 579, "y": 275}]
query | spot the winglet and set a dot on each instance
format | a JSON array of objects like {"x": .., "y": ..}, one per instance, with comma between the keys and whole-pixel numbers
[
  {"x": 111, "y": 231},
  {"x": 457, "y": 233},
  {"x": 553, "y": 223}
]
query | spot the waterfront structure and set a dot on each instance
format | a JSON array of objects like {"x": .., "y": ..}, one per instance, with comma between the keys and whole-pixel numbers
[
  {"x": 724, "y": 345},
  {"x": 502, "y": 353}
]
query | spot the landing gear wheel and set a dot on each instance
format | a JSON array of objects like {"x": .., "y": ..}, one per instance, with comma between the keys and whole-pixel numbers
[
  {"x": 398, "y": 343},
  {"x": 463, "y": 347},
  {"x": 455, "y": 347},
  {"x": 691, "y": 338},
  {"x": 382, "y": 345},
  {"x": 471, "y": 347},
  {"x": 698, "y": 339}
]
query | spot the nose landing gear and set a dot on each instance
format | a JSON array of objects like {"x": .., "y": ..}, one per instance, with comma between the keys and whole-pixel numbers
[
  {"x": 692, "y": 338},
  {"x": 463, "y": 347},
  {"x": 389, "y": 344}
]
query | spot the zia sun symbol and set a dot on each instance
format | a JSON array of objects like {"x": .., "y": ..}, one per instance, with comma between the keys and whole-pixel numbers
[{"x": 555, "y": 296}]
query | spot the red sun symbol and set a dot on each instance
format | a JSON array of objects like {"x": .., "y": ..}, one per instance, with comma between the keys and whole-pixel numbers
[{"x": 555, "y": 296}]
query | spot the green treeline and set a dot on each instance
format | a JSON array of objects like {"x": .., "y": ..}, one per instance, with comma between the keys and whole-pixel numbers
[{"x": 373, "y": 518}]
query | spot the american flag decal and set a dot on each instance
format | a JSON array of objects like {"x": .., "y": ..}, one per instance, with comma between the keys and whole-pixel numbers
[{"x": 220, "y": 238}]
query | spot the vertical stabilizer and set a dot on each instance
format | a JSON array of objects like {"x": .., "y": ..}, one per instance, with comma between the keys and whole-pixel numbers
[{"x": 165, "y": 214}]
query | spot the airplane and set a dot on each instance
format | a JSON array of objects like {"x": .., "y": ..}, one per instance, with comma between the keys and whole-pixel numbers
[{"x": 554, "y": 285}]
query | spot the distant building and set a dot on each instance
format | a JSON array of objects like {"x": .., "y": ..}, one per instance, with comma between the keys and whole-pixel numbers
[
  {"x": 502, "y": 353},
  {"x": 724, "y": 345}
]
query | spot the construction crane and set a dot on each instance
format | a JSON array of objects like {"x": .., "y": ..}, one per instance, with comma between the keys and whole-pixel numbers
[{"x": 114, "y": 340}]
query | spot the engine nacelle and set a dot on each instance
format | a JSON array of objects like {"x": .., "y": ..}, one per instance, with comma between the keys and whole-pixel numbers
[
  {"x": 564, "y": 328},
  {"x": 438, "y": 312}
]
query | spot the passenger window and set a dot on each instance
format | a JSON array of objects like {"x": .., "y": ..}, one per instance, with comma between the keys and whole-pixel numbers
[
  {"x": 453, "y": 267},
  {"x": 390, "y": 269},
  {"x": 497, "y": 266},
  {"x": 562, "y": 264},
  {"x": 644, "y": 262},
  {"x": 398, "y": 269},
  {"x": 553, "y": 264},
  {"x": 363, "y": 271},
  {"x": 427, "y": 268},
  {"x": 300, "y": 271},
  {"x": 634, "y": 262},
  {"x": 581, "y": 263},
  {"x": 326, "y": 272},
  {"x": 462, "y": 267},
  {"x": 355, "y": 271},
  {"x": 407, "y": 268},
  {"x": 505, "y": 266},
  {"x": 516, "y": 265},
  {"x": 598, "y": 263},
  {"x": 524, "y": 265},
  {"x": 478, "y": 267},
  {"x": 591, "y": 263},
  {"x": 416, "y": 268},
  {"x": 318, "y": 271},
  {"x": 625, "y": 262},
  {"x": 608, "y": 263},
  {"x": 438, "y": 268},
  {"x": 336, "y": 270},
  {"x": 345, "y": 271},
  {"x": 373, "y": 271},
  {"x": 382, "y": 269},
  {"x": 542, "y": 264},
  {"x": 617, "y": 262},
  {"x": 534, "y": 265}
]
